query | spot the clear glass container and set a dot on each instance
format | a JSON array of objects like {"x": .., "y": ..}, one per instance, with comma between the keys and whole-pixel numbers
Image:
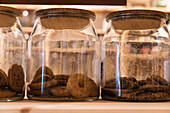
[
  {"x": 12, "y": 57},
  {"x": 63, "y": 60},
  {"x": 168, "y": 26},
  {"x": 135, "y": 54},
  {"x": 168, "y": 22}
]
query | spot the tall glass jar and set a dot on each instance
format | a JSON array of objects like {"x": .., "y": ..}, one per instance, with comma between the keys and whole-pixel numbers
[
  {"x": 63, "y": 58},
  {"x": 168, "y": 22},
  {"x": 12, "y": 57},
  {"x": 136, "y": 53}
]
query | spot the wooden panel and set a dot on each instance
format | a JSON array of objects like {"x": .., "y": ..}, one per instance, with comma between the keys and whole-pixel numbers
[
  {"x": 66, "y": 2},
  {"x": 28, "y": 106}
]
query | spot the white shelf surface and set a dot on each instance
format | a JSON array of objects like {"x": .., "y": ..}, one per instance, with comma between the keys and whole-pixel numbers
[{"x": 100, "y": 106}]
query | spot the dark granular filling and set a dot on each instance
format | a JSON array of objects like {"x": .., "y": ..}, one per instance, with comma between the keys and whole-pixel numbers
[{"x": 141, "y": 90}]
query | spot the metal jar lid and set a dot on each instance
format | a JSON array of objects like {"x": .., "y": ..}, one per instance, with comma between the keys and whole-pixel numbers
[
  {"x": 65, "y": 18},
  {"x": 136, "y": 19},
  {"x": 8, "y": 16}
]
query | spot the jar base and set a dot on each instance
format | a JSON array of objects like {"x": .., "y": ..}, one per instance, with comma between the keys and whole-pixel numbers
[
  {"x": 133, "y": 100},
  {"x": 61, "y": 99},
  {"x": 10, "y": 99}
]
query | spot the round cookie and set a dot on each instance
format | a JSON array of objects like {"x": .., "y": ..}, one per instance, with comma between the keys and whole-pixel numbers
[
  {"x": 43, "y": 85},
  {"x": 3, "y": 79},
  {"x": 80, "y": 86},
  {"x": 16, "y": 78},
  {"x": 40, "y": 78},
  {"x": 39, "y": 92},
  {"x": 46, "y": 71},
  {"x": 94, "y": 89},
  {"x": 61, "y": 79},
  {"x": 60, "y": 91},
  {"x": 7, "y": 93}
]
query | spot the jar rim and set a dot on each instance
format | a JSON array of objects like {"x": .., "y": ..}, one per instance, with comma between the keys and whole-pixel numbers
[
  {"x": 10, "y": 10},
  {"x": 66, "y": 12},
  {"x": 137, "y": 13}
]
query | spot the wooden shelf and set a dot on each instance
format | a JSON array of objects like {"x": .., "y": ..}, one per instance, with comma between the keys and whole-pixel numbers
[
  {"x": 66, "y": 2},
  {"x": 27, "y": 106}
]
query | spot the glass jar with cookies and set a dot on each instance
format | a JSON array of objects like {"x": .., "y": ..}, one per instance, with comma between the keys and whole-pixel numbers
[
  {"x": 136, "y": 53},
  {"x": 64, "y": 62},
  {"x": 12, "y": 57}
]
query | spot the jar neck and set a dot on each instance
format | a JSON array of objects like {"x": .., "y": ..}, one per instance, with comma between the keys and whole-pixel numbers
[
  {"x": 7, "y": 19},
  {"x": 9, "y": 13},
  {"x": 61, "y": 22},
  {"x": 136, "y": 16},
  {"x": 137, "y": 23},
  {"x": 63, "y": 14}
]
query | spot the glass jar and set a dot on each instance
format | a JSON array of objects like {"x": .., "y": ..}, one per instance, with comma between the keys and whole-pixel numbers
[
  {"x": 168, "y": 22},
  {"x": 12, "y": 63},
  {"x": 135, "y": 54},
  {"x": 63, "y": 57}
]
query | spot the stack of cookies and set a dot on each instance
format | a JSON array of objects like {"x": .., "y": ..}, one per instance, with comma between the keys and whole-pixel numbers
[
  {"x": 13, "y": 84},
  {"x": 154, "y": 88},
  {"x": 46, "y": 85}
]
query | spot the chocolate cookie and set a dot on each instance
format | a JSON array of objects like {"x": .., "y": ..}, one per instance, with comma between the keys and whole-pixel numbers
[
  {"x": 43, "y": 85},
  {"x": 115, "y": 92},
  {"x": 39, "y": 92},
  {"x": 151, "y": 81},
  {"x": 60, "y": 91},
  {"x": 125, "y": 83},
  {"x": 110, "y": 84},
  {"x": 168, "y": 91},
  {"x": 40, "y": 78},
  {"x": 128, "y": 83},
  {"x": 131, "y": 95},
  {"x": 153, "y": 88},
  {"x": 7, "y": 93},
  {"x": 109, "y": 91},
  {"x": 149, "y": 96},
  {"x": 44, "y": 70},
  {"x": 16, "y": 78},
  {"x": 160, "y": 80},
  {"x": 3, "y": 79},
  {"x": 61, "y": 79},
  {"x": 156, "y": 80},
  {"x": 141, "y": 82},
  {"x": 80, "y": 86}
]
